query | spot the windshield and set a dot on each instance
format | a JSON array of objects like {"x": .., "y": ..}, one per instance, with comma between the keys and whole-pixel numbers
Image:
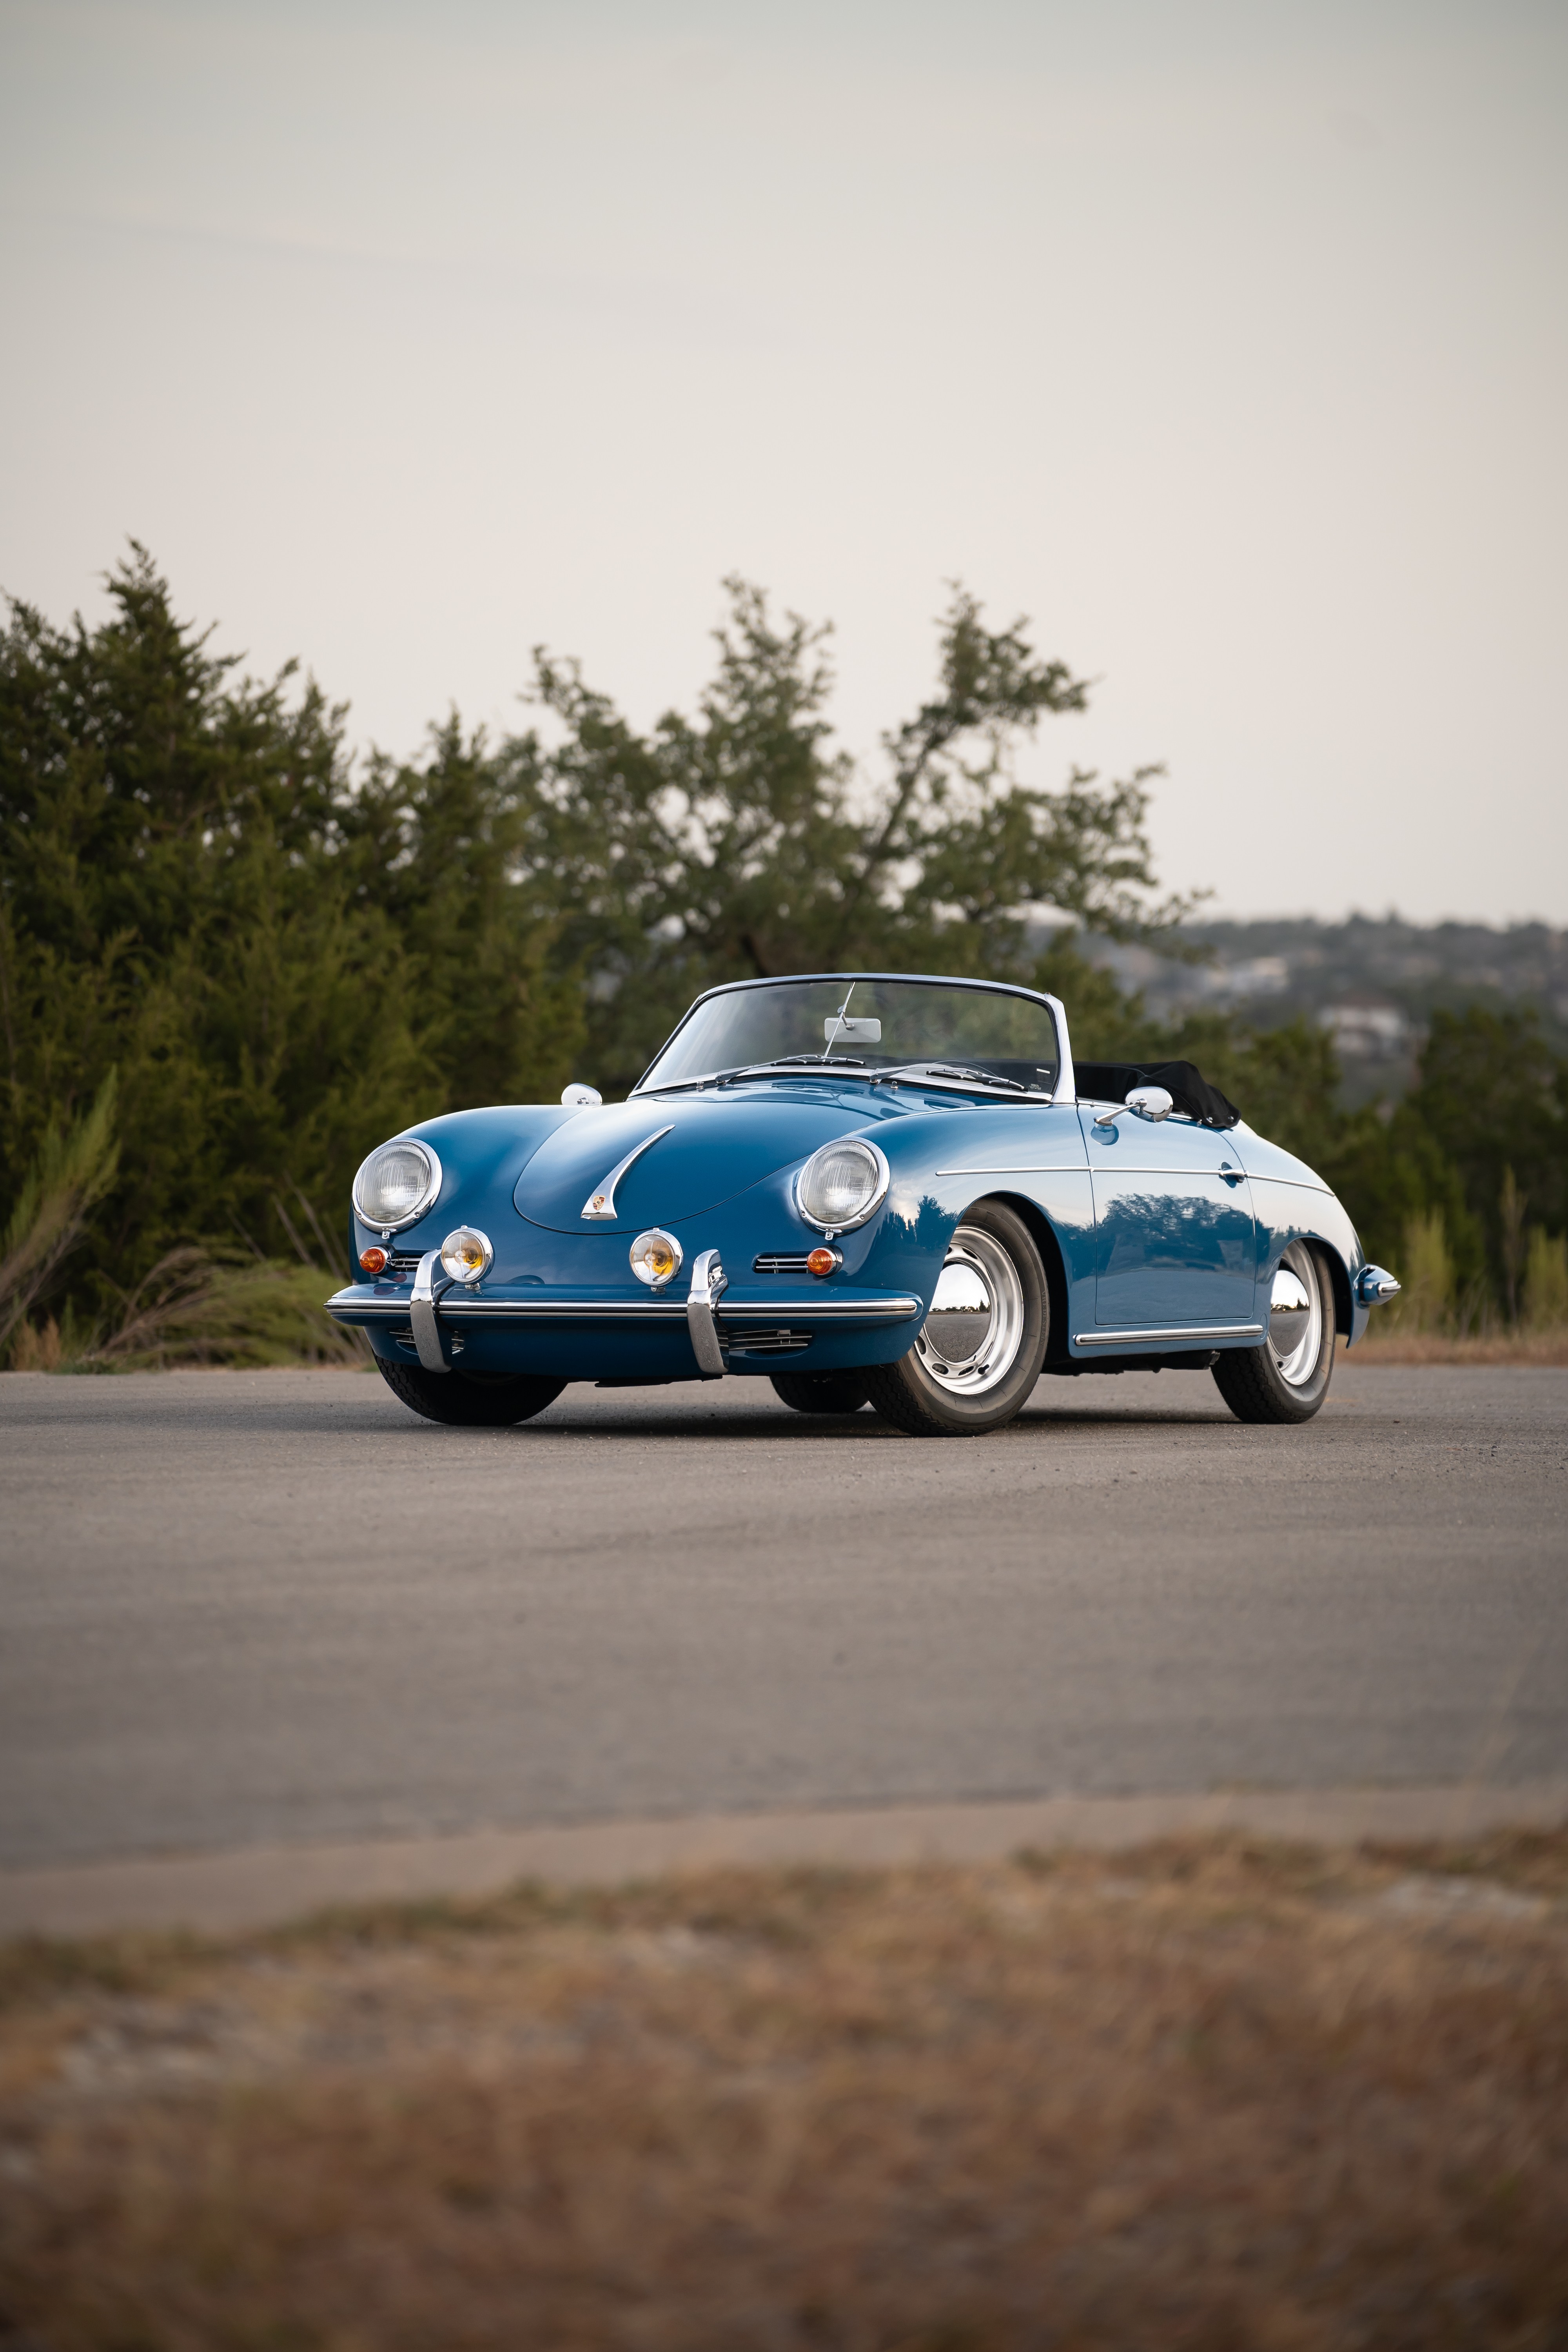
[{"x": 866, "y": 1025}]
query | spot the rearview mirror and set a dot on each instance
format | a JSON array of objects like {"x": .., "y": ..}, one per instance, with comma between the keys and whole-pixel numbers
[{"x": 842, "y": 1029}]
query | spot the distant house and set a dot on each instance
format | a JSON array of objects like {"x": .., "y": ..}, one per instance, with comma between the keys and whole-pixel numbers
[
  {"x": 1265, "y": 975},
  {"x": 1365, "y": 1026}
]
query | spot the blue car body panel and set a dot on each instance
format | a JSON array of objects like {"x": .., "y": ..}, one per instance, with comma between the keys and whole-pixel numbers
[{"x": 1155, "y": 1234}]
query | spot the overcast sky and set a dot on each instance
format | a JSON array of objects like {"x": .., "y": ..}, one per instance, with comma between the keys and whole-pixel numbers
[{"x": 1225, "y": 340}]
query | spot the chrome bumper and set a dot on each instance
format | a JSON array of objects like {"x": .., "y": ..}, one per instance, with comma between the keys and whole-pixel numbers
[{"x": 435, "y": 1308}]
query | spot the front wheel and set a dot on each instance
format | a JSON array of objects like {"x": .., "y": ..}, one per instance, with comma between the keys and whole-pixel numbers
[
  {"x": 1288, "y": 1378},
  {"x": 469, "y": 1399},
  {"x": 981, "y": 1348},
  {"x": 821, "y": 1392}
]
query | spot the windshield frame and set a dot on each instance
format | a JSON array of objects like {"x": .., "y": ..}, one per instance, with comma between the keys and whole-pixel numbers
[{"x": 1065, "y": 1089}]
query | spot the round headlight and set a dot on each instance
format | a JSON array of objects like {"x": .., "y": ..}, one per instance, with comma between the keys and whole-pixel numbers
[
  {"x": 656, "y": 1258},
  {"x": 467, "y": 1253},
  {"x": 842, "y": 1184},
  {"x": 395, "y": 1185}
]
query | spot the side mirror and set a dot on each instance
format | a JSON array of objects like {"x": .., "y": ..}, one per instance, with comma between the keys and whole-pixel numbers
[
  {"x": 1149, "y": 1102},
  {"x": 580, "y": 1097}
]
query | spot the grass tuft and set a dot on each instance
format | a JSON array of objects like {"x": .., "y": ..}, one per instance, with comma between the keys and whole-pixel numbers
[{"x": 1218, "y": 2091}]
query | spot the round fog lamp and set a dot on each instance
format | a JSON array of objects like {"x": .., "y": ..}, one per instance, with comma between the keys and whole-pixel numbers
[
  {"x": 656, "y": 1258},
  {"x": 467, "y": 1253}
]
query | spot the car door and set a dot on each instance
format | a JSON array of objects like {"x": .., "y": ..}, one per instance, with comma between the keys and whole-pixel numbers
[{"x": 1174, "y": 1236}]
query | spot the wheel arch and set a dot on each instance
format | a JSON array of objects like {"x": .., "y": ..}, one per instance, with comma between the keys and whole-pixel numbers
[
  {"x": 1339, "y": 1275},
  {"x": 1043, "y": 1234}
]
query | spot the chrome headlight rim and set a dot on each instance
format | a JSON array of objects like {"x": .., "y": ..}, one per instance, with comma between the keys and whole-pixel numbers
[
  {"x": 881, "y": 1175},
  {"x": 460, "y": 1273},
  {"x": 427, "y": 1200}
]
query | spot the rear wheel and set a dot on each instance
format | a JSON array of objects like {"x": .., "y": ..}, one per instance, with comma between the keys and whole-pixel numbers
[
  {"x": 822, "y": 1391},
  {"x": 470, "y": 1399},
  {"x": 1288, "y": 1378},
  {"x": 981, "y": 1348}
]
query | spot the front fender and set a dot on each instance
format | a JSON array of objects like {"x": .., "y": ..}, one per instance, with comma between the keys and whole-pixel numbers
[{"x": 1291, "y": 1202}]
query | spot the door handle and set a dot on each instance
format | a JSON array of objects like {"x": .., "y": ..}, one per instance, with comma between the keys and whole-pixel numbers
[{"x": 1232, "y": 1176}]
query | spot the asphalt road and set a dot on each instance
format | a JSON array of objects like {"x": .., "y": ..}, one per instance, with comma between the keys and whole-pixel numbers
[{"x": 237, "y": 1609}]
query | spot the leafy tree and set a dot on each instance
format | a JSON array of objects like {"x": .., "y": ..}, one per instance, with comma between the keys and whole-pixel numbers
[
  {"x": 277, "y": 967},
  {"x": 228, "y": 964},
  {"x": 1493, "y": 1096},
  {"x": 738, "y": 843}
]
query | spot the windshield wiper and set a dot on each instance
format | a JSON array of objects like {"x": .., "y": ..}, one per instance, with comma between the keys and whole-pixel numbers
[
  {"x": 787, "y": 1066},
  {"x": 853, "y": 1065},
  {"x": 951, "y": 1070},
  {"x": 801, "y": 1065}
]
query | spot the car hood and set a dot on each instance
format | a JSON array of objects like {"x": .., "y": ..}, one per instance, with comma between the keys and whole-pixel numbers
[{"x": 717, "y": 1146}]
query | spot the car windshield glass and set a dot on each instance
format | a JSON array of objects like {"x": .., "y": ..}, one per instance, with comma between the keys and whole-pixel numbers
[{"x": 864, "y": 1027}]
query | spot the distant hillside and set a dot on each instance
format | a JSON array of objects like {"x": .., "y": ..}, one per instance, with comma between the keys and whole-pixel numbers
[{"x": 1375, "y": 983}]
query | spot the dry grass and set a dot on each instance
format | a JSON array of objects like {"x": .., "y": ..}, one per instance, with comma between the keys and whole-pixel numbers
[
  {"x": 1395, "y": 1347},
  {"x": 1214, "y": 2095}
]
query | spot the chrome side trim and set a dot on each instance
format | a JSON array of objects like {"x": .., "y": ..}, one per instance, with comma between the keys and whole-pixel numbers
[
  {"x": 1032, "y": 1168},
  {"x": 709, "y": 1284},
  {"x": 602, "y": 1204},
  {"x": 1196, "y": 1332},
  {"x": 424, "y": 1299},
  {"x": 1230, "y": 1175}
]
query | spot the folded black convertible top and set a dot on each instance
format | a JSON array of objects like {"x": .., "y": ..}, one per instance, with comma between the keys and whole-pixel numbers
[{"x": 1189, "y": 1090}]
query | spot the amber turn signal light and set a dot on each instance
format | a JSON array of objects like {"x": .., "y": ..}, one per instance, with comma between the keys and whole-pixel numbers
[
  {"x": 821, "y": 1261},
  {"x": 374, "y": 1261}
]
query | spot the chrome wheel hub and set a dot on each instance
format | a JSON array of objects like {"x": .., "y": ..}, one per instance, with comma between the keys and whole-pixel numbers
[
  {"x": 1296, "y": 1316},
  {"x": 970, "y": 1339}
]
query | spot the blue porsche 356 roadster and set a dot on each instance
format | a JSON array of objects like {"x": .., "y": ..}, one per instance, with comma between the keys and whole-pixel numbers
[{"x": 865, "y": 1186}]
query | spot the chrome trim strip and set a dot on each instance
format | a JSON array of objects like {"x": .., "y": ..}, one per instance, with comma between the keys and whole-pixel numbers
[
  {"x": 1297, "y": 1183},
  {"x": 1039, "y": 1168},
  {"x": 422, "y": 1306},
  {"x": 1107, "y": 1167},
  {"x": 807, "y": 1306},
  {"x": 602, "y": 1204},
  {"x": 1196, "y": 1332},
  {"x": 709, "y": 1284},
  {"x": 1067, "y": 1080}
]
